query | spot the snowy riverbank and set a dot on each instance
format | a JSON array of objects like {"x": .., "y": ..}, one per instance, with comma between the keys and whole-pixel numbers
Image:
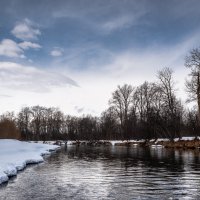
[
  {"x": 184, "y": 143},
  {"x": 15, "y": 155}
]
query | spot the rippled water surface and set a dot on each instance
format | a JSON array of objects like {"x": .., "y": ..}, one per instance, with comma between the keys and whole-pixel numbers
[{"x": 109, "y": 173}]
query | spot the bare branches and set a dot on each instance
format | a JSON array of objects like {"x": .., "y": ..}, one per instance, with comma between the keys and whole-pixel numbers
[
  {"x": 193, "y": 59},
  {"x": 121, "y": 101}
]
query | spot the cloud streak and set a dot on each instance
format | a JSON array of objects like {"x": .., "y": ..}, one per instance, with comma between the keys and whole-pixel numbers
[
  {"x": 29, "y": 45},
  {"x": 28, "y": 78},
  {"x": 111, "y": 16}
]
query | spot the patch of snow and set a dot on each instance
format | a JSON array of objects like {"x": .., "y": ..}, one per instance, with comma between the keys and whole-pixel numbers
[
  {"x": 113, "y": 142},
  {"x": 15, "y": 155},
  {"x": 69, "y": 142},
  {"x": 162, "y": 140},
  {"x": 156, "y": 146},
  {"x": 185, "y": 138}
]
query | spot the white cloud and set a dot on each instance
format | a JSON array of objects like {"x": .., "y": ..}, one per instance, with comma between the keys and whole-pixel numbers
[
  {"x": 10, "y": 48},
  {"x": 27, "y": 45},
  {"x": 26, "y": 30},
  {"x": 27, "y": 78},
  {"x": 56, "y": 52}
]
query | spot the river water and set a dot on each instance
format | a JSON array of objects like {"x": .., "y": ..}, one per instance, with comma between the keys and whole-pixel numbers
[{"x": 109, "y": 173}]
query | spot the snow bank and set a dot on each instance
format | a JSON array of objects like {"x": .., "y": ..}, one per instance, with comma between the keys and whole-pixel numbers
[
  {"x": 185, "y": 139},
  {"x": 113, "y": 142},
  {"x": 156, "y": 146},
  {"x": 15, "y": 155}
]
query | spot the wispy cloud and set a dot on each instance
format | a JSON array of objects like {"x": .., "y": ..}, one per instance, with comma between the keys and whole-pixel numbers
[
  {"x": 117, "y": 23},
  {"x": 29, "y": 45},
  {"x": 104, "y": 17},
  {"x": 26, "y": 30},
  {"x": 85, "y": 56},
  {"x": 123, "y": 21},
  {"x": 28, "y": 78}
]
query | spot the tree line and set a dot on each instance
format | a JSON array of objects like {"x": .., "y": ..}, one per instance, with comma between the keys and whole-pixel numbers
[{"x": 148, "y": 111}]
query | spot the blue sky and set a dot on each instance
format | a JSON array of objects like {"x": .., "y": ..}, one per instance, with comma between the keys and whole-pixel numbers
[{"x": 73, "y": 54}]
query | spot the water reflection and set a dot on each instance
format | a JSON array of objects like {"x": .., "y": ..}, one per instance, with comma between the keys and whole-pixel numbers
[{"x": 110, "y": 173}]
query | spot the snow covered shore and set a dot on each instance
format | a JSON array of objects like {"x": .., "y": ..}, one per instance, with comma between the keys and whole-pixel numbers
[
  {"x": 15, "y": 155},
  {"x": 184, "y": 142}
]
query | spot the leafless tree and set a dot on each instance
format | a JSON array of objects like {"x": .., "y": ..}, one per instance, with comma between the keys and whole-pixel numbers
[
  {"x": 172, "y": 108},
  {"x": 37, "y": 123},
  {"x": 109, "y": 124},
  {"x": 121, "y": 100},
  {"x": 23, "y": 121},
  {"x": 191, "y": 122},
  {"x": 192, "y": 61}
]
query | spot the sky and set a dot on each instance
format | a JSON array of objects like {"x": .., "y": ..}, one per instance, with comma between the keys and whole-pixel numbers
[{"x": 73, "y": 54}]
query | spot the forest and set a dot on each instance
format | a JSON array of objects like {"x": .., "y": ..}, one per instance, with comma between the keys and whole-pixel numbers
[{"x": 148, "y": 111}]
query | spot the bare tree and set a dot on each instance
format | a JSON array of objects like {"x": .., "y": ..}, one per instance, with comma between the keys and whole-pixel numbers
[
  {"x": 172, "y": 108},
  {"x": 145, "y": 99},
  {"x": 109, "y": 125},
  {"x": 23, "y": 121},
  {"x": 72, "y": 127},
  {"x": 191, "y": 122},
  {"x": 192, "y": 61},
  {"x": 38, "y": 113},
  {"x": 121, "y": 101},
  {"x": 167, "y": 87}
]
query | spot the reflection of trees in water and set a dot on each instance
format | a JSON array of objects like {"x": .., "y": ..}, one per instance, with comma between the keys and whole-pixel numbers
[
  {"x": 196, "y": 159},
  {"x": 130, "y": 170},
  {"x": 169, "y": 159}
]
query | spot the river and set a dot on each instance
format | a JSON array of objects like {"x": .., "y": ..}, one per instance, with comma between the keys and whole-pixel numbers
[{"x": 109, "y": 173}]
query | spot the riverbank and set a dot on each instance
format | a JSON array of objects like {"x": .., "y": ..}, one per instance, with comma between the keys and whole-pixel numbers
[
  {"x": 15, "y": 155},
  {"x": 184, "y": 143}
]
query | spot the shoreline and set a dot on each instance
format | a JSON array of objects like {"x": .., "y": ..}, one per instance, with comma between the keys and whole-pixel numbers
[
  {"x": 184, "y": 143},
  {"x": 16, "y": 155},
  {"x": 37, "y": 151}
]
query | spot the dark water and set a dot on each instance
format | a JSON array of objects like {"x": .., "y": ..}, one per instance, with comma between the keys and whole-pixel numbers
[{"x": 109, "y": 173}]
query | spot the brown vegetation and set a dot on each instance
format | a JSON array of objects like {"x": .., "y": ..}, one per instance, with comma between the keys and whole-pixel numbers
[
  {"x": 188, "y": 144},
  {"x": 8, "y": 130}
]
